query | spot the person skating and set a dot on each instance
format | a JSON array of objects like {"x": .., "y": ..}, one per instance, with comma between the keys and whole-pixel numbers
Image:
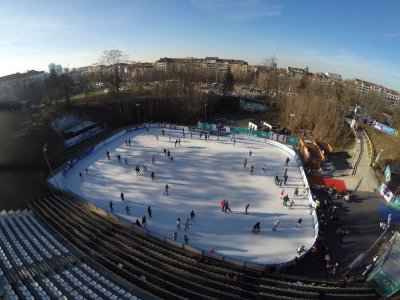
[
  {"x": 245, "y": 162},
  {"x": 119, "y": 158},
  {"x": 168, "y": 154},
  {"x": 128, "y": 210},
  {"x": 285, "y": 178},
  {"x": 157, "y": 139},
  {"x": 129, "y": 142},
  {"x": 144, "y": 168},
  {"x": 111, "y": 206},
  {"x": 276, "y": 179},
  {"x": 285, "y": 200},
  {"x": 296, "y": 192},
  {"x": 282, "y": 193},
  {"x": 149, "y": 211},
  {"x": 126, "y": 142},
  {"x": 246, "y": 208},
  {"x": 137, "y": 169},
  {"x": 179, "y": 142},
  {"x": 153, "y": 176},
  {"x": 144, "y": 222},
  {"x": 298, "y": 223},
  {"x": 165, "y": 152},
  {"x": 187, "y": 223},
  {"x": 86, "y": 171},
  {"x": 227, "y": 206},
  {"x": 223, "y": 205},
  {"x": 252, "y": 170},
  {"x": 126, "y": 160},
  {"x": 285, "y": 173},
  {"x": 250, "y": 153},
  {"x": 275, "y": 225},
  {"x": 264, "y": 168},
  {"x": 137, "y": 223},
  {"x": 122, "y": 197},
  {"x": 153, "y": 160},
  {"x": 192, "y": 215},
  {"x": 256, "y": 228},
  {"x": 178, "y": 224},
  {"x": 166, "y": 190},
  {"x": 186, "y": 238},
  {"x": 108, "y": 155},
  {"x": 163, "y": 132},
  {"x": 80, "y": 175},
  {"x": 176, "y": 142},
  {"x": 287, "y": 161},
  {"x": 175, "y": 236}
]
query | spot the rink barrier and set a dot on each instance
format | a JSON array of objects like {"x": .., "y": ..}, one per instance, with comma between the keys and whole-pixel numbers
[{"x": 146, "y": 232}]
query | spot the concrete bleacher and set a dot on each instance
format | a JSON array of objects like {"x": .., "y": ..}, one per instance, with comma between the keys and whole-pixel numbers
[
  {"x": 35, "y": 263},
  {"x": 164, "y": 269}
]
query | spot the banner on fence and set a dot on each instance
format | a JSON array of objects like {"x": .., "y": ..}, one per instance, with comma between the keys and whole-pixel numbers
[
  {"x": 387, "y": 173},
  {"x": 395, "y": 203},
  {"x": 385, "y": 192},
  {"x": 84, "y": 136}
]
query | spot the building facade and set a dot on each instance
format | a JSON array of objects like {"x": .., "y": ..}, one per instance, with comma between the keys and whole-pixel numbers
[
  {"x": 22, "y": 86},
  {"x": 364, "y": 87}
]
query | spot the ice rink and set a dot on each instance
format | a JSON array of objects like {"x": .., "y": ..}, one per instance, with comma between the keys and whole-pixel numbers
[{"x": 200, "y": 176}]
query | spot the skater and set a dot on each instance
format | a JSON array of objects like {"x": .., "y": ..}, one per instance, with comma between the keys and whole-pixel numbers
[
  {"x": 126, "y": 160},
  {"x": 205, "y": 137},
  {"x": 169, "y": 137},
  {"x": 227, "y": 206},
  {"x": 129, "y": 142},
  {"x": 172, "y": 159},
  {"x": 166, "y": 190},
  {"x": 201, "y": 134},
  {"x": 144, "y": 222},
  {"x": 280, "y": 182},
  {"x": 149, "y": 211},
  {"x": 275, "y": 225},
  {"x": 137, "y": 223},
  {"x": 276, "y": 179},
  {"x": 108, "y": 155},
  {"x": 285, "y": 200},
  {"x": 137, "y": 169},
  {"x": 285, "y": 179},
  {"x": 285, "y": 173},
  {"x": 144, "y": 168},
  {"x": 179, "y": 142},
  {"x": 296, "y": 192},
  {"x": 250, "y": 153},
  {"x": 122, "y": 197},
  {"x": 192, "y": 215},
  {"x": 128, "y": 210},
  {"x": 298, "y": 223},
  {"x": 234, "y": 141},
  {"x": 252, "y": 170},
  {"x": 80, "y": 175},
  {"x": 86, "y": 171},
  {"x": 175, "y": 236},
  {"x": 168, "y": 154},
  {"x": 119, "y": 158},
  {"x": 191, "y": 135},
  {"x": 126, "y": 142},
  {"x": 187, "y": 223},
  {"x": 264, "y": 169},
  {"x": 111, "y": 206},
  {"x": 223, "y": 205},
  {"x": 246, "y": 208},
  {"x": 165, "y": 152},
  {"x": 176, "y": 142},
  {"x": 291, "y": 203},
  {"x": 153, "y": 176},
  {"x": 256, "y": 228},
  {"x": 186, "y": 238},
  {"x": 157, "y": 139},
  {"x": 287, "y": 161},
  {"x": 153, "y": 160},
  {"x": 178, "y": 224},
  {"x": 282, "y": 193},
  {"x": 245, "y": 162},
  {"x": 163, "y": 132}
]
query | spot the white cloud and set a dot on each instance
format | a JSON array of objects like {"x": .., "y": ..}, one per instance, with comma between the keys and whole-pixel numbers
[{"x": 391, "y": 34}]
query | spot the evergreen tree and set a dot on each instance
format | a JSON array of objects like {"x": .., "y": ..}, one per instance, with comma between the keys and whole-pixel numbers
[{"x": 228, "y": 81}]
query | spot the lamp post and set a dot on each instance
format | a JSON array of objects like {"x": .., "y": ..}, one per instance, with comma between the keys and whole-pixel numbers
[
  {"x": 48, "y": 164},
  {"x": 138, "y": 112},
  {"x": 291, "y": 120},
  {"x": 377, "y": 158},
  {"x": 205, "y": 112}
]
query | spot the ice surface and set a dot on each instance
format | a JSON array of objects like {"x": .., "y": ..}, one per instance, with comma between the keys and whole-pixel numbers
[{"x": 200, "y": 176}]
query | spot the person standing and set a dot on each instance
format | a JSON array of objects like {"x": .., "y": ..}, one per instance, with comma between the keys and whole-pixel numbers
[
  {"x": 287, "y": 161},
  {"x": 264, "y": 169},
  {"x": 149, "y": 211},
  {"x": 111, "y": 206},
  {"x": 178, "y": 224},
  {"x": 168, "y": 154},
  {"x": 175, "y": 236},
  {"x": 285, "y": 178},
  {"x": 186, "y": 238},
  {"x": 223, "y": 205},
  {"x": 119, "y": 158},
  {"x": 144, "y": 222},
  {"x": 80, "y": 175},
  {"x": 166, "y": 190},
  {"x": 250, "y": 153},
  {"x": 137, "y": 169},
  {"x": 227, "y": 206},
  {"x": 192, "y": 215},
  {"x": 128, "y": 210},
  {"x": 126, "y": 160},
  {"x": 153, "y": 160},
  {"x": 187, "y": 223},
  {"x": 296, "y": 191},
  {"x": 157, "y": 139},
  {"x": 163, "y": 132},
  {"x": 129, "y": 142},
  {"x": 247, "y": 208},
  {"x": 176, "y": 142},
  {"x": 282, "y": 193},
  {"x": 252, "y": 170},
  {"x": 108, "y": 155},
  {"x": 285, "y": 173},
  {"x": 153, "y": 176},
  {"x": 275, "y": 225},
  {"x": 165, "y": 152},
  {"x": 245, "y": 162},
  {"x": 122, "y": 197}
]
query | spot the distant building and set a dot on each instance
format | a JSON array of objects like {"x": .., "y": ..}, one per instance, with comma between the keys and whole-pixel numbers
[
  {"x": 165, "y": 64},
  {"x": 333, "y": 76},
  {"x": 55, "y": 68},
  {"x": 22, "y": 87},
  {"x": 297, "y": 72},
  {"x": 364, "y": 87}
]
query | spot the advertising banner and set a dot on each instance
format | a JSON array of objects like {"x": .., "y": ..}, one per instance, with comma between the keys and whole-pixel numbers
[
  {"x": 395, "y": 203},
  {"x": 387, "y": 173},
  {"x": 385, "y": 192},
  {"x": 83, "y": 136}
]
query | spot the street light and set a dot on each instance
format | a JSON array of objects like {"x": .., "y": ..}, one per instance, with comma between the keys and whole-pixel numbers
[
  {"x": 291, "y": 120},
  {"x": 205, "y": 112},
  {"x": 377, "y": 158},
  {"x": 138, "y": 112},
  {"x": 48, "y": 164}
]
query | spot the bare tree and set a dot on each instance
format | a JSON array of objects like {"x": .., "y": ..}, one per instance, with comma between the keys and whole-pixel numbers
[
  {"x": 114, "y": 61},
  {"x": 373, "y": 104}
]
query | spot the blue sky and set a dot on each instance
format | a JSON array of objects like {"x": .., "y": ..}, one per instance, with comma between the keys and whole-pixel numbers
[{"x": 354, "y": 38}]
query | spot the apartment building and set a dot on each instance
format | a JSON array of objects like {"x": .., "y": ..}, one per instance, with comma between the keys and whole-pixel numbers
[
  {"x": 165, "y": 64},
  {"x": 391, "y": 95}
]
